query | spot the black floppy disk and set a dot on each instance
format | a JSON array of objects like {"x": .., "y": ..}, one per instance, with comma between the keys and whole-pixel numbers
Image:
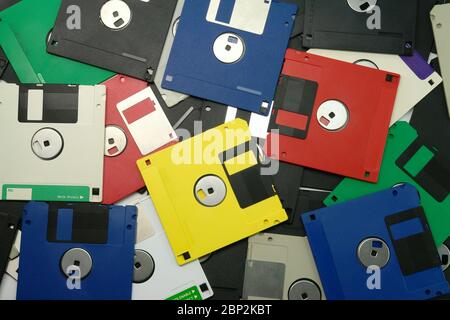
[
  {"x": 126, "y": 37},
  {"x": 194, "y": 116},
  {"x": 310, "y": 200},
  {"x": 295, "y": 197},
  {"x": 287, "y": 182},
  {"x": 10, "y": 217},
  {"x": 305, "y": 201},
  {"x": 296, "y": 41},
  {"x": 430, "y": 117},
  {"x": 379, "y": 26},
  {"x": 225, "y": 271}
]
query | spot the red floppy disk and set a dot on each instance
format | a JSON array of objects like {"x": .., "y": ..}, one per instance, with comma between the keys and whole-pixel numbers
[
  {"x": 136, "y": 126},
  {"x": 332, "y": 116}
]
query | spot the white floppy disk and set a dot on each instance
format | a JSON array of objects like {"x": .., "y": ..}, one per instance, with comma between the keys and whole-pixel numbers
[
  {"x": 157, "y": 275},
  {"x": 53, "y": 142}
]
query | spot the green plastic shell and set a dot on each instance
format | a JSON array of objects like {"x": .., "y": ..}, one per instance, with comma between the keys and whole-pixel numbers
[{"x": 24, "y": 29}]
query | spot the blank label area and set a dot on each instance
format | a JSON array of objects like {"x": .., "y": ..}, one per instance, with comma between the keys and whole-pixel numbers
[
  {"x": 18, "y": 193},
  {"x": 35, "y": 105},
  {"x": 139, "y": 110}
]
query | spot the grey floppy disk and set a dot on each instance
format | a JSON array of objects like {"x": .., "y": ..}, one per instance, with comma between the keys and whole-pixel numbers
[
  {"x": 281, "y": 267},
  {"x": 55, "y": 142}
]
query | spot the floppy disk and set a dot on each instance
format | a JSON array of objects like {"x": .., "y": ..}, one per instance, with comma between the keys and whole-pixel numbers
[
  {"x": 194, "y": 116},
  {"x": 24, "y": 29},
  {"x": 387, "y": 252},
  {"x": 306, "y": 200},
  {"x": 332, "y": 115},
  {"x": 296, "y": 41},
  {"x": 48, "y": 127},
  {"x": 221, "y": 199},
  {"x": 440, "y": 15},
  {"x": 171, "y": 98},
  {"x": 157, "y": 275},
  {"x": 225, "y": 270},
  {"x": 126, "y": 37},
  {"x": 382, "y": 26},
  {"x": 135, "y": 126},
  {"x": 444, "y": 253},
  {"x": 281, "y": 267},
  {"x": 83, "y": 251},
  {"x": 418, "y": 78},
  {"x": 310, "y": 200},
  {"x": 10, "y": 218},
  {"x": 430, "y": 118},
  {"x": 287, "y": 182},
  {"x": 243, "y": 35},
  {"x": 409, "y": 159}
]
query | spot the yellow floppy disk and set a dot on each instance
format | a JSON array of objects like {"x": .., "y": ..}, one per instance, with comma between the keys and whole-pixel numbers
[{"x": 209, "y": 191}]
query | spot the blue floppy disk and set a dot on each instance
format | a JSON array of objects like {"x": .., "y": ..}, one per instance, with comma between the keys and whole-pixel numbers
[
  {"x": 230, "y": 51},
  {"x": 376, "y": 247},
  {"x": 76, "y": 251}
]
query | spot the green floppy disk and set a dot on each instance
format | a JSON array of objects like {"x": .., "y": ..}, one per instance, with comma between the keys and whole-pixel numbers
[
  {"x": 408, "y": 159},
  {"x": 24, "y": 29}
]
